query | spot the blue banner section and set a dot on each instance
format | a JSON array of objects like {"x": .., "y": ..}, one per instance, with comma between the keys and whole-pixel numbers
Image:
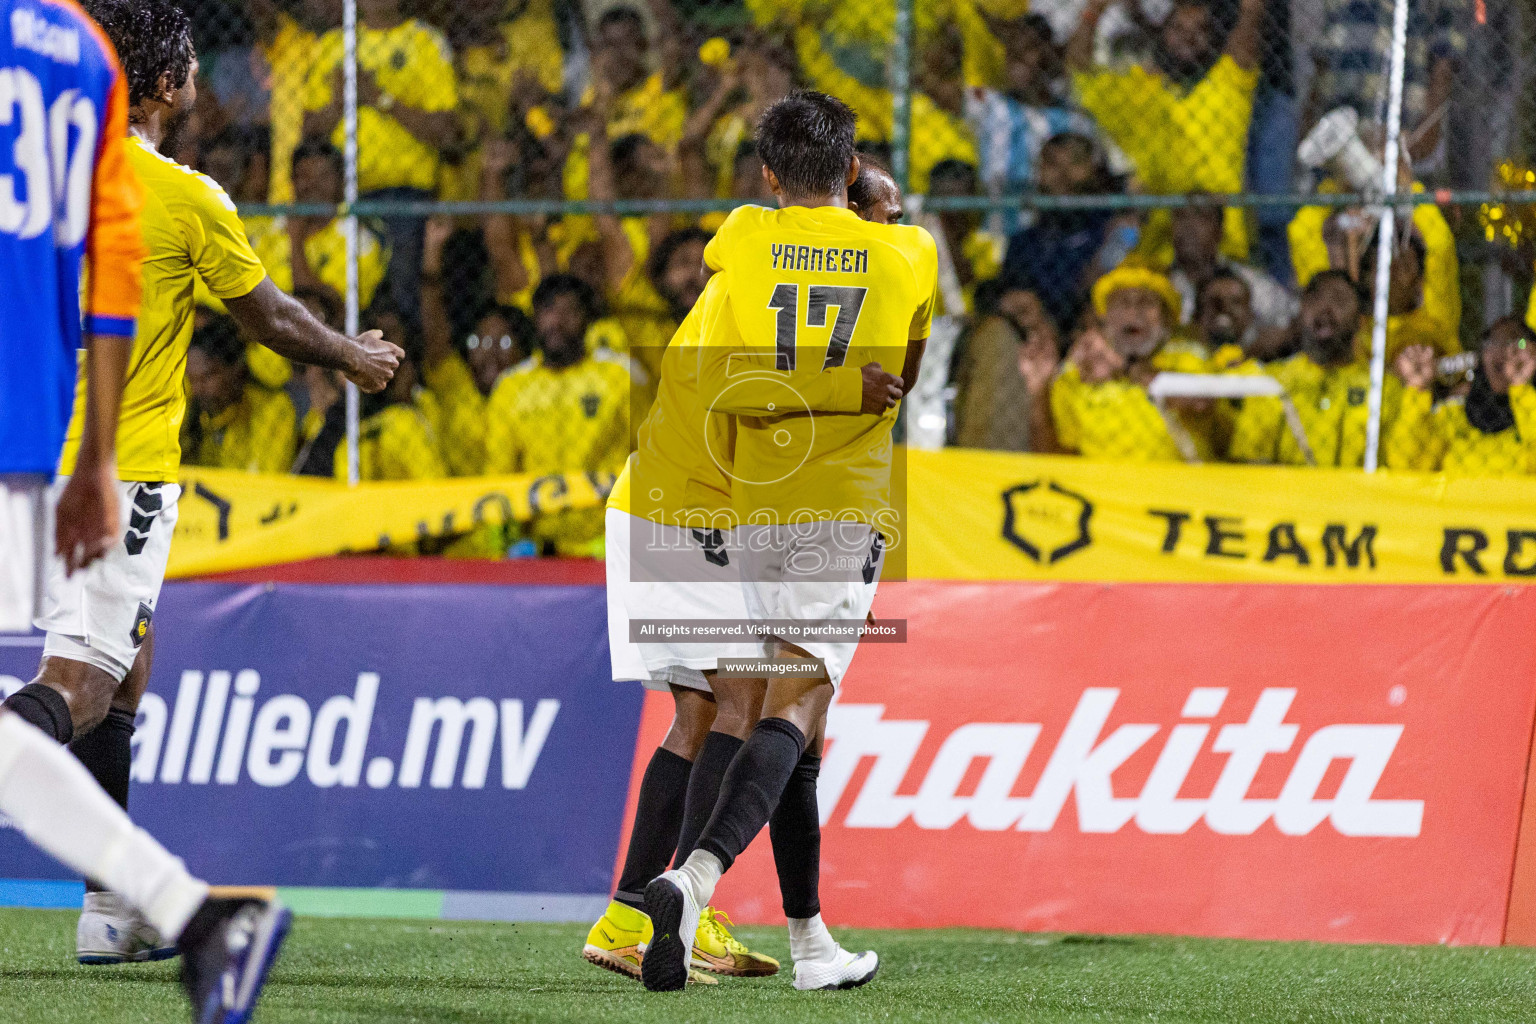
[{"x": 425, "y": 737}]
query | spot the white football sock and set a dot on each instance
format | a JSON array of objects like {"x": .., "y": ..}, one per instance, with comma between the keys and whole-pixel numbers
[
  {"x": 702, "y": 869},
  {"x": 810, "y": 940},
  {"x": 53, "y": 800}
]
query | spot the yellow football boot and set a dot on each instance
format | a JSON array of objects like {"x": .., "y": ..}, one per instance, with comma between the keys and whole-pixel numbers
[
  {"x": 716, "y": 950},
  {"x": 617, "y": 943}
]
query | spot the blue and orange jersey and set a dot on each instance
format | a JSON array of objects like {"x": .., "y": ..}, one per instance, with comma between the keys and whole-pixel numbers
[{"x": 67, "y": 196}]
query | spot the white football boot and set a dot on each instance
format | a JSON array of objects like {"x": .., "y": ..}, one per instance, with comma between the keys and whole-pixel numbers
[
  {"x": 112, "y": 932},
  {"x": 674, "y": 912},
  {"x": 845, "y": 970}
]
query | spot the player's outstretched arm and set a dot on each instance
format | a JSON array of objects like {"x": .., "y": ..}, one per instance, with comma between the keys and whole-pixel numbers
[{"x": 281, "y": 323}]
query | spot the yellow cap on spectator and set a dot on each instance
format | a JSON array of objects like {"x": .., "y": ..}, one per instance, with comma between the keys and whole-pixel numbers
[{"x": 1129, "y": 275}]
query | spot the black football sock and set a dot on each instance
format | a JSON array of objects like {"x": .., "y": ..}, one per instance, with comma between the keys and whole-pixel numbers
[
  {"x": 44, "y": 707},
  {"x": 658, "y": 817},
  {"x": 107, "y": 752},
  {"x": 795, "y": 829},
  {"x": 752, "y": 787},
  {"x": 715, "y": 756}
]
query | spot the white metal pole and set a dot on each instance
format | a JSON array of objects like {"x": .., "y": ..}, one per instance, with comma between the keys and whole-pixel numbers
[
  {"x": 349, "y": 223},
  {"x": 1385, "y": 241}
]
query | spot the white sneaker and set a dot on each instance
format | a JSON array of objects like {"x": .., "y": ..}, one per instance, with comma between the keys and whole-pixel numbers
[
  {"x": 112, "y": 932},
  {"x": 674, "y": 914},
  {"x": 845, "y": 970}
]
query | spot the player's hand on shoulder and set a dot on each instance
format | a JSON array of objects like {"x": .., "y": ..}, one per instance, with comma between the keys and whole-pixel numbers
[
  {"x": 881, "y": 390},
  {"x": 376, "y": 361}
]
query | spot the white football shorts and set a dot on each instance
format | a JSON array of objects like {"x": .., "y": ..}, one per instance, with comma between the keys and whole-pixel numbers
[
  {"x": 101, "y": 614},
  {"x": 812, "y": 572},
  {"x": 690, "y": 577}
]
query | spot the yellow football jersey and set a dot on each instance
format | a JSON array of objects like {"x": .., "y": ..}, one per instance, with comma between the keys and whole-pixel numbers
[
  {"x": 396, "y": 443},
  {"x": 544, "y": 420},
  {"x": 255, "y": 435},
  {"x": 681, "y": 471},
  {"x": 786, "y": 272},
  {"x": 412, "y": 63},
  {"x": 192, "y": 230},
  {"x": 1332, "y": 404},
  {"x": 1431, "y": 438}
]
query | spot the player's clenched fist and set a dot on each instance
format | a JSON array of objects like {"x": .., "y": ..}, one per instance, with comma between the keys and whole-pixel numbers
[
  {"x": 881, "y": 390},
  {"x": 375, "y": 361}
]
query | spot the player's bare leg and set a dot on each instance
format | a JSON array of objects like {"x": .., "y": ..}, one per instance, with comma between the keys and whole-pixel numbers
[
  {"x": 792, "y": 708},
  {"x": 66, "y": 699},
  {"x": 616, "y": 942}
]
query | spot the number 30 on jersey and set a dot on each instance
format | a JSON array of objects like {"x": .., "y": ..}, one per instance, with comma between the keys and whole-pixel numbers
[{"x": 54, "y": 176}]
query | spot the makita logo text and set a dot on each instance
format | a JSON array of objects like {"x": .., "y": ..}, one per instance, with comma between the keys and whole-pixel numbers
[
  {"x": 1086, "y": 757},
  {"x": 222, "y": 727}
]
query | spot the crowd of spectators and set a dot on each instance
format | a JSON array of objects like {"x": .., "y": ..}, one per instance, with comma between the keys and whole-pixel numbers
[{"x": 533, "y": 342}]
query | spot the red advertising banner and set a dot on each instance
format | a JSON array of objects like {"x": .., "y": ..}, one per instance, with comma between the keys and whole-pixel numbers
[{"x": 1338, "y": 763}]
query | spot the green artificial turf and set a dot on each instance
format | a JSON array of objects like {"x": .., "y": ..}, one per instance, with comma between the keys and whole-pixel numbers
[{"x": 389, "y": 972}]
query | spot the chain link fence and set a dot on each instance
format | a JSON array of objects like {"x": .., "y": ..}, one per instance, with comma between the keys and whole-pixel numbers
[{"x": 1159, "y": 220}]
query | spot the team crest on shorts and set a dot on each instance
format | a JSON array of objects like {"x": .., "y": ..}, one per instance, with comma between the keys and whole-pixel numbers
[{"x": 141, "y": 624}]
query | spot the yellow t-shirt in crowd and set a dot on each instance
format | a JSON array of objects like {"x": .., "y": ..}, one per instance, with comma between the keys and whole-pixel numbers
[
  {"x": 460, "y": 415},
  {"x": 1117, "y": 419},
  {"x": 1180, "y": 141},
  {"x": 575, "y": 419},
  {"x": 255, "y": 435},
  {"x": 872, "y": 27},
  {"x": 395, "y": 443},
  {"x": 937, "y": 134},
  {"x": 411, "y": 63},
  {"x": 192, "y": 230},
  {"x": 1332, "y": 403},
  {"x": 290, "y": 56},
  {"x": 1441, "y": 438},
  {"x": 786, "y": 272}
]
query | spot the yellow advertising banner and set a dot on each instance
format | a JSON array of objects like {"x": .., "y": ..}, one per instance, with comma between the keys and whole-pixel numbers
[
  {"x": 989, "y": 515},
  {"x": 969, "y": 515},
  {"x": 230, "y": 520}
]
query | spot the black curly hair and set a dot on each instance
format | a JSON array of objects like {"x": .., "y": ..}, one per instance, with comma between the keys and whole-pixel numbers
[{"x": 152, "y": 38}]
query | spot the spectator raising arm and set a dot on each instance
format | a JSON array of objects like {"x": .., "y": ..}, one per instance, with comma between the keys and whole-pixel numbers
[
  {"x": 283, "y": 324},
  {"x": 1079, "y": 52},
  {"x": 512, "y": 274},
  {"x": 618, "y": 254},
  {"x": 1246, "y": 38},
  {"x": 436, "y": 329},
  {"x": 698, "y": 179}
]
